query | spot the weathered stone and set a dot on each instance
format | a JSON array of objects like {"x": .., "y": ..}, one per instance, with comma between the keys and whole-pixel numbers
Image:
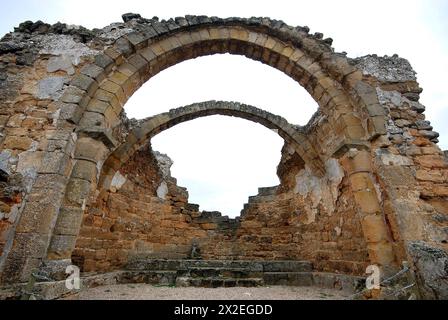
[
  {"x": 432, "y": 265},
  {"x": 130, "y": 16},
  {"x": 51, "y": 88},
  {"x": 63, "y": 63},
  {"x": 85, "y": 170}
]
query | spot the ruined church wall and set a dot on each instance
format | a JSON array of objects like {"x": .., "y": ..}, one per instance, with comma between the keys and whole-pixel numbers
[
  {"x": 62, "y": 90},
  {"x": 278, "y": 224},
  {"x": 412, "y": 172}
]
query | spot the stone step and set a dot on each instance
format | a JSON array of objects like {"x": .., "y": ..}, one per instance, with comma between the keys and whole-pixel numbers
[
  {"x": 154, "y": 277},
  {"x": 344, "y": 282},
  {"x": 216, "y": 282},
  {"x": 287, "y": 266},
  {"x": 250, "y": 266},
  {"x": 237, "y": 273}
]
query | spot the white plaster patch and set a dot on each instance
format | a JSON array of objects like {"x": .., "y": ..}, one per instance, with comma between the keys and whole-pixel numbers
[
  {"x": 306, "y": 182},
  {"x": 308, "y": 185},
  {"x": 117, "y": 181},
  {"x": 55, "y": 116},
  {"x": 334, "y": 171},
  {"x": 65, "y": 45},
  {"x": 384, "y": 97},
  {"x": 28, "y": 165},
  {"x": 162, "y": 190},
  {"x": 391, "y": 159},
  {"x": 62, "y": 62},
  {"x": 335, "y": 174},
  {"x": 164, "y": 163},
  {"x": 320, "y": 191},
  {"x": 338, "y": 231},
  {"x": 7, "y": 160},
  {"x": 50, "y": 88}
]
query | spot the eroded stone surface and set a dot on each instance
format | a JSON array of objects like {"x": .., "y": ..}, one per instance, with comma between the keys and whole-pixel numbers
[{"x": 432, "y": 266}]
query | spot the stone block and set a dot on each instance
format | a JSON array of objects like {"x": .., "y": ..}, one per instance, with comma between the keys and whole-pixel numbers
[
  {"x": 30, "y": 245},
  {"x": 93, "y": 71},
  {"x": 104, "y": 61},
  {"x": 96, "y": 105},
  {"x": 431, "y": 175},
  {"x": 118, "y": 78},
  {"x": 53, "y": 182},
  {"x": 55, "y": 162},
  {"x": 377, "y": 125},
  {"x": 137, "y": 40},
  {"x": 18, "y": 267},
  {"x": 115, "y": 89},
  {"x": 361, "y": 181},
  {"x": 432, "y": 161},
  {"x": 140, "y": 64},
  {"x": 367, "y": 201},
  {"x": 374, "y": 228},
  {"x": 354, "y": 133},
  {"x": 148, "y": 54},
  {"x": 17, "y": 143},
  {"x": 83, "y": 82},
  {"x": 84, "y": 169},
  {"x": 77, "y": 192},
  {"x": 114, "y": 55},
  {"x": 69, "y": 221},
  {"x": 70, "y": 112},
  {"x": 61, "y": 246},
  {"x": 40, "y": 211},
  {"x": 58, "y": 63},
  {"x": 398, "y": 175},
  {"x": 103, "y": 135},
  {"x": 381, "y": 253},
  {"x": 50, "y": 88},
  {"x": 92, "y": 120},
  {"x": 357, "y": 161}
]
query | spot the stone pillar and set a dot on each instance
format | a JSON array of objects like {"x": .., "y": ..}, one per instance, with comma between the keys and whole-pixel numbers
[
  {"x": 89, "y": 155},
  {"x": 357, "y": 163},
  {"x": 41, "y": 209}
]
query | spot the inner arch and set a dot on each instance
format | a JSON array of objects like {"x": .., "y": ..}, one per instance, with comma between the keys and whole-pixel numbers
[
  {"x": 144, "y": 130},
  {"x": 223, "y": 77}
]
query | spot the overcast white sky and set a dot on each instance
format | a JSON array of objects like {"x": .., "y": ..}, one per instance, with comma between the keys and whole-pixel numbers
[{"x": 223, "y": 160}]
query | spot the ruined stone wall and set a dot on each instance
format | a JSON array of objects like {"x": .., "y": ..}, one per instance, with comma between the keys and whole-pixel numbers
[
  {"x": 281, "y": 223},
  {"x": 412, "y": 171},
  {"x": 368, "y": 159},
  {"x": 34, "y": 70}
]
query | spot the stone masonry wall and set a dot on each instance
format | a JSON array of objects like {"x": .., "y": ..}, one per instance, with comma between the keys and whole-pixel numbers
[
  {"x": 278, "y": 224},
  {"x": 369, "y": 176},
  {"x": 412, "y": 171},
  {"x": 63, "y": 88}
]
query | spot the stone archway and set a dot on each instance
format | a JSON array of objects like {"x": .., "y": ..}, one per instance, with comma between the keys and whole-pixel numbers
[
  {"x": 265, "y": 229},
  {"x": 149, "y": 127},
  {"x": 356, "y": 98}
]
